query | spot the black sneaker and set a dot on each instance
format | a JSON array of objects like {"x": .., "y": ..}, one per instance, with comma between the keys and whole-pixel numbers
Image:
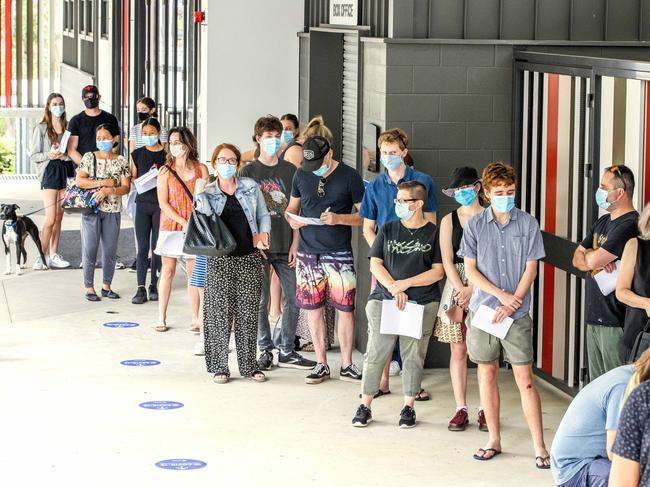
[
  {"x": 266, "y": 360},
  {"x": 318, "y": 374},
  {"x": 350, "y": 374},
  {"x": 140, "y": 296},
  {"x": 362, "y": 417},
  {"x": 153, "y": 293},
  {"x": 294, "y": 360},
  {"x": 407, "y": 417}
]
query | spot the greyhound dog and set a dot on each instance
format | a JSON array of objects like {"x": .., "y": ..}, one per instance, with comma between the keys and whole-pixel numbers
[{"x": 15, "y": 230}]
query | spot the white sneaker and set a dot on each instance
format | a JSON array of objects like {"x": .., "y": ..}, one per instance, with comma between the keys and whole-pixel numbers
[
  {"x": 199, "y": 347},
  {"x": 39, "y": 265},
  {"x": 119, "y": 266},
  {"x": 394, "y": 368},
  {"x": 57, "y": 262}
]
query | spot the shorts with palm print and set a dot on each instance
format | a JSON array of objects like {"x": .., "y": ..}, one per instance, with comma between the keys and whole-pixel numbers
[{"x": 326, "y": 278}]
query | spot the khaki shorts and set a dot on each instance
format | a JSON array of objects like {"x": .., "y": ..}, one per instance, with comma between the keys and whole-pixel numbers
[{"x": 517, "y": 346}]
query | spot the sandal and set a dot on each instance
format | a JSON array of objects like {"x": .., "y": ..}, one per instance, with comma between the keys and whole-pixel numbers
[
  {"x": 221, "y": 378},
  {"x": 483, "y": 458},
  {"x": 422, "y": 396},
  {"x": 544, "y": 465},
  {"x": 194, "y": 328},
  {"x": 379, "y": 393},
  {"x": 308, "y": 347},
  {"x": 257, "y": 376},
  {"x": 161, "y": 328}
]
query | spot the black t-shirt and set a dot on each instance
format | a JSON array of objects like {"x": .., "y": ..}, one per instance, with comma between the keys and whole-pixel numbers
[
  {"x": 343, "y": 189},
  {"x": 275, "y": 183},
  {"x": 407, "y": 253},
  {"x": 235, "y": 219},
  {"x": 84, "y": 127},
  {"x": 611, "y": 235},
  {"x": 144, "y": 160},
  {"x": 633, "y": 435}
]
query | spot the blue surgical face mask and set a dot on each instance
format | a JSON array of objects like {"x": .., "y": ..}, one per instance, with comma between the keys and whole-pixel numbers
[
  {"x": 465, "y": 196},
  {"x": 391, "y": 161},
  {"x": 226, "y": 171},
  {"x": 503, "y": 204},
  {"x": 149, "y": 140},
  {"x": 321, "y": 171},
  {"x": 104, "y": 145},
  {"x": 601, "y": 198},
  {"x": 57, "y": 111},
  {"x": 287, "y": 136},
  {"x": 402, "y": 211},
  {"x": 271, "y": 146}
]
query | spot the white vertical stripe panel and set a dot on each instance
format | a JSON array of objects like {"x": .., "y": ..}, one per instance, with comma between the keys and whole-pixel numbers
[
  {"x": 634, "y": 126},
  {"x": 350, "y": 94},
  {"x": 524, "y": 141},
  {"x": 542, "y": 189},
  {"x": 535, "y": 144},
  {"x": 589, "y": 159},
  {"x": 606, "y": 124}
]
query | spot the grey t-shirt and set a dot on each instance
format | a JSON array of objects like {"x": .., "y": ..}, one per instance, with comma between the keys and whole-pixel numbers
[
  {"x": 582, "y": 434},
  {"x": 275, "y": 183}
]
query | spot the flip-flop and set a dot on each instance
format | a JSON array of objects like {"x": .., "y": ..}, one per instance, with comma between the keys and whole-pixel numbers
[
  {"x": 379, "y": 393},
  {"x": 420, "y": 397},
  {"x": 543, "y": 466},
  {"x": 485, "y": 450},
  {"x": 161, "y": 328}
]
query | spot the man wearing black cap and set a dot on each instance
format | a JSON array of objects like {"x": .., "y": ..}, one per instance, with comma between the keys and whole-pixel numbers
[
  {"x": 328, "y": 191},
  {"x": 82, "y": 126}
]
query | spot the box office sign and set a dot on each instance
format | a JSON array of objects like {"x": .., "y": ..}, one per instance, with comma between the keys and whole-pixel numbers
[{"x": 344, "y": 12}]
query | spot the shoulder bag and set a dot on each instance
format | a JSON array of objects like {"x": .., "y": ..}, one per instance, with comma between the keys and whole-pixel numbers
[
  {"x": 79, "y": 200},
  {"x": 641, "y": 343}
]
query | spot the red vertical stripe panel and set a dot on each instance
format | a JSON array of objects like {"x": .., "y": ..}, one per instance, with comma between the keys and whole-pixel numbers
[
  {"x": 7, "y": 67},
  {"x": 550, "y": 203}
]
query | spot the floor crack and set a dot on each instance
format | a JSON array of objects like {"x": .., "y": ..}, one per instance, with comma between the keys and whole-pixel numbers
[{"x": 4, "y": 293}]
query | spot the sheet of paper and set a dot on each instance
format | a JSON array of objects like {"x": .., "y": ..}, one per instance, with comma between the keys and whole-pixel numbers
[
  {"x": 170, "y": 244},
  {"x": 147, "y": 181},
  {"x": 407, "y": 322},
  {"x": 482, "y": 320},
  {"x": 607, "y": 280},
  {"x": 305, "y": 220},
  {"x": 63, "y": 145}
]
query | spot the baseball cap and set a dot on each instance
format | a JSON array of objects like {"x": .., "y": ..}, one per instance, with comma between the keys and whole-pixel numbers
[
  {"x": 89, "y": 89},
  {"x": 314, "y": 151},
  {"x": 462, "y": 176}
]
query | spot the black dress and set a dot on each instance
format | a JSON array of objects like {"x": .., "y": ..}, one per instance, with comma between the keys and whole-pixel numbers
[{"x": 636, "y": 318}]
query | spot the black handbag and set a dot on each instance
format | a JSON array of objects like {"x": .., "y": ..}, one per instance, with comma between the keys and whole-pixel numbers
[
  {"x": 641, "y": 343},
  {"x": 205, "y": 235}
]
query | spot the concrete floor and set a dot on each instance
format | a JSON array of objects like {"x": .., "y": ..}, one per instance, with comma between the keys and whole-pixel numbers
[{"x": 70, "y": 411}]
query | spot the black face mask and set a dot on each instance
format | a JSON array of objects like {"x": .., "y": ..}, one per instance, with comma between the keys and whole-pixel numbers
[
  {"x": 142, "y": 116},
  {"x": 91, "y": 102}
]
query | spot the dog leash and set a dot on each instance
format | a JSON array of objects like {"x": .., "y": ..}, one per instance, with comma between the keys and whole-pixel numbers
[{"x": 41, "y": 209}]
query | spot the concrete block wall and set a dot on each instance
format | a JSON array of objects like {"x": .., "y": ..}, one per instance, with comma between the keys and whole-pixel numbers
[{"x": 453, "y": 100}]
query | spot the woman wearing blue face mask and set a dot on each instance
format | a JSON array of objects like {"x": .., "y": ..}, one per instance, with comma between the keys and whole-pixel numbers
[
  {"x": 465, "y": 188},
  {"x": 111, "y": 175},
  {"x": 146, "y": 109},
  {"x": 53, "y": 168},
  {"x": 150, "y": 156},
  {"x": 233, "y": 283}
]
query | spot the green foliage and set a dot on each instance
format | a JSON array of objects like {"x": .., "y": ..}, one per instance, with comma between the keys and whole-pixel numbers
[{"x": 7, "y": 160}]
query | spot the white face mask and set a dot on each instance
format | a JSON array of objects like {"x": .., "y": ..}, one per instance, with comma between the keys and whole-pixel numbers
[{"x": 177, "y": 150}]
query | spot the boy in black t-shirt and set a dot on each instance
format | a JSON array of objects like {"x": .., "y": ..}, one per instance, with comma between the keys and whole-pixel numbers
[
  {"x": 598, "y": 252},
  {"x": 82, "y": 127},
  {"x": 406, "y": 260}
]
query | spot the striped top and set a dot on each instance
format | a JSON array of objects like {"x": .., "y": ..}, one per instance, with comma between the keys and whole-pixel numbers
[{"x": 136, "y": 134}]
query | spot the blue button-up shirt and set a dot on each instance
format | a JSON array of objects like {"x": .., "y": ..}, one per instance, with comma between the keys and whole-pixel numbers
[
  {"x": 378, "y": 201},
  {"x": 501, "y": 253}
]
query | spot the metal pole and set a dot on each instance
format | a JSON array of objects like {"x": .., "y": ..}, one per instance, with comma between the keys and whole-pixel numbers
[
  {"x": 19, "y": 53},
  {"x": 52, "y": 74},
  {"x": 30, "y": 52},
  {"x": 40, "y": 53}
]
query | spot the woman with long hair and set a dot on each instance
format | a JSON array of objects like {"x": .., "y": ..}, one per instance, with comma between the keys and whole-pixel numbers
[
  {"x": 53, "y": 168},
  {"x": 176, "y": 187}
]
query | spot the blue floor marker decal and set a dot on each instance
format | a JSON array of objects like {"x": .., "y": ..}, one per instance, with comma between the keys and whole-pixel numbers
[
  {"x": 121, "y": 324},
  {"x": 140, "y": 362},
  {"x": 161, "y": 405},
  {"x": 180, "y": 464}
]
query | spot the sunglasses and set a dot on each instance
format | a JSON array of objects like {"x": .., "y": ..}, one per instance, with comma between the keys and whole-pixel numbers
[
  {"x": 321, "y": 187},
  {"x": 616, "y": 171},
  {"x": 401, "y": 202}
]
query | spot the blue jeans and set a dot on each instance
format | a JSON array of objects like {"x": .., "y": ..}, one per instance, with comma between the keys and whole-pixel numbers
[
  {"x": 287, "y": 276},
  {"x": 594, "y": 474}
]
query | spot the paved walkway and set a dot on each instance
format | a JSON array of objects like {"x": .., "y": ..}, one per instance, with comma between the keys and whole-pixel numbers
[{"x": 71, "y": 414}]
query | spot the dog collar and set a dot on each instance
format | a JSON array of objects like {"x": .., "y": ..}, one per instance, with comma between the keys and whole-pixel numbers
[{"x": 11, "y": 224}]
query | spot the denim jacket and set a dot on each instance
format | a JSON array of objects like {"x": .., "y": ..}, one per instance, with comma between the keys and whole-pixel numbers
[{"x": 250, "y": 197}]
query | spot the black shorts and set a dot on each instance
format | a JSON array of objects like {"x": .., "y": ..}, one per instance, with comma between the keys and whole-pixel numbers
[{"x": 56, "y": 174}]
